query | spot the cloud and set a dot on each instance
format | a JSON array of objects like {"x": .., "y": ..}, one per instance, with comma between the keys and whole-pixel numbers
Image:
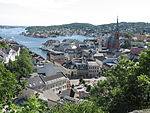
[{"x": 51, "y": 12}]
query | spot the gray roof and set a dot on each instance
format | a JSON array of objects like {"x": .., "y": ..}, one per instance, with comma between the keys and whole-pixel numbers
[
  {"x": 35, "y": 82},
  {"x": 26, "y": 93},
  {"x": 39, "y": 83},
  {"x": 52, "y": 77},
  {"x": 49, "y": 94},
  {"x": 47, "y": 70}
]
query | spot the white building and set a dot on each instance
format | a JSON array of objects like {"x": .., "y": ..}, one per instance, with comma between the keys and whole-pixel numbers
[
  {"x": 8, "y": 54},
  {"x": 93, "y": 68},
  {"x": 48, "y": 77}
]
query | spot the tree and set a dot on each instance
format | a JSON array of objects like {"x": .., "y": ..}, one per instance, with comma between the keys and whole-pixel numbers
[
  {"x": 72, "y": 86},
  {"x": 32, "y": 105},
  {"x": 3, "y": 44},
  {"x": 127, "y": 44},
  {"x": 88, "y": 88},
  {"x": 81, "y": 81},
  {"x": 23, "y": 66},
  {"x": 9, "y": 86},
  {"x": 144, "y": 62},
  {"x": 125, "y": 89},
  {"x": 127, "y": 34},
  {"x": 84, "y": 107}
]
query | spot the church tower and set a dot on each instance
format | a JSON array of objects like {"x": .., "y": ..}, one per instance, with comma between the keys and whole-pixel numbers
[{"x": 116, "y": 37}]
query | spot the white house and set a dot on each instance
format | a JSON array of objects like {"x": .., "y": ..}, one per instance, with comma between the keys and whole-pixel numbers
[{"x": 8, "y": 54}]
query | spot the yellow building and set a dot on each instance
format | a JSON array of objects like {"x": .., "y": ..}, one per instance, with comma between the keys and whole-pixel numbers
[{"x": 142, "y": 37}]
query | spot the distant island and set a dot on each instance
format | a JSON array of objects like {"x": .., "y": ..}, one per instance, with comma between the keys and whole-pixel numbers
[
  {"x": 85, "y": 29},
  {"x": 7, "y": 27}
]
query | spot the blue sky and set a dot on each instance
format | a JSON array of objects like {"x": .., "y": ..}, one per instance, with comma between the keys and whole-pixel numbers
[{"x": 56, "y": 12}]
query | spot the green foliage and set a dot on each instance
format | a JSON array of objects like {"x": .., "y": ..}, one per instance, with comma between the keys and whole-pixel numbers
[
  {"x": 1, "y": 60},
  {"x": 3, "y": 45},
  {"x": 32, "y": 105},
  {"x": 81, "y": 81},
  {"x": 127, "y": 34},
  {"x": 9, "y": 86},
  {"x": 144, "y": 63},
  {"x": 85, "y": 107},
  {"x": 148, "y": 45},
  {"x": 88, "y": 88},
  {"x": 23, "y": 66},
  {"x": 127, "y": 44},
  {"x": 72, "y": 86},
  {"x": 127, "y": 86}
]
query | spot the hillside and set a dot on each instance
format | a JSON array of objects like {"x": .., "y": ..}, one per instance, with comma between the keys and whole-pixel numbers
[
  {"x": 85, "y": 29},
  {"x": 133, "y": 27}
]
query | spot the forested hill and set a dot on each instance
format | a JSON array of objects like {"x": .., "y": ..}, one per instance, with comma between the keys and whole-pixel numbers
[
  {"x": 133, "y": 27},
  {"x": 85, "y": 29}
]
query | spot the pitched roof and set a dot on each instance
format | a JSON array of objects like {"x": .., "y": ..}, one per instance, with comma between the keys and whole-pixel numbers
[
  {"x": 47, "y": 70},
  {"x": 52, "y": 77},
  {"x": 35, "y": 82}
]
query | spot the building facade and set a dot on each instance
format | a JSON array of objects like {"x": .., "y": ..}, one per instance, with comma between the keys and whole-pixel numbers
[
  {"x": 93, "y": 69},
  {"x": 56, "y": 56}
]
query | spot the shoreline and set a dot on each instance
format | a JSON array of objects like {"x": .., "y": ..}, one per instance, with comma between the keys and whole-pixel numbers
[
  {"x": 21, "y": 45},
  {"x": 53, "y": 37}
]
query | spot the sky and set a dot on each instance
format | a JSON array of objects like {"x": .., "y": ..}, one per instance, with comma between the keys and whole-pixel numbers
[{"x": 57, "y": 12}]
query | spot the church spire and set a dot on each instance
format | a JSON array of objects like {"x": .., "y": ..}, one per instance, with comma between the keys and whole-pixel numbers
[
  {"x": 117, "y": 27},
  {"x": 116, "y": 43}
]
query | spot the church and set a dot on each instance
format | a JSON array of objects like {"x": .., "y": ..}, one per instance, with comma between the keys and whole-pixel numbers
[{"x": 113, "y": 41}]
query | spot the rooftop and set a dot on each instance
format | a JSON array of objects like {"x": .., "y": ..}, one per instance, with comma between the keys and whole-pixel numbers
[
  {"x": 48, "y": 69},
  {"x": 92, "y": 63}
]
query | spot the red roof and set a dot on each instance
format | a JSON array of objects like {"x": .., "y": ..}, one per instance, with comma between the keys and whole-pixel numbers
[{"x": 136, "y": 50}]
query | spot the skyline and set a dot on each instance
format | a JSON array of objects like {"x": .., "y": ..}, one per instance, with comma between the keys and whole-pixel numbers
[{"x": 57, "y": 12}]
